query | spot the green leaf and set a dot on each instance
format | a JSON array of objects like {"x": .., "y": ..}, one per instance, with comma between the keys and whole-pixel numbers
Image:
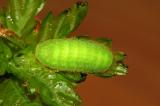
[
  {"x": 3, "y": 66},
  {"x": 56, "y": 92},
  {"x": 12, "y": 95},
  {"x": 106, "y": 41},
  {"x": 2, "y": 17},
  {"x": 5, "y": 54},
  {"x": 29, "y": 27},
  {"x": 69, "y": 20},
  {"x": 46, "y": 29},
  {"x": 15, "y": 8},
  {"x": 74, "y": 77},
  {"x": 31, "y": 9},
  {"x": 83, "y": 37},
  {"x": 50, "y": 85},
  {"x": 120, "y": 56},
  {"x": 116, "y": 69},
  {"x": 5, "y": 50},
  {"x": 20, "y": 15},
  {"x": 10, "y": 22}
]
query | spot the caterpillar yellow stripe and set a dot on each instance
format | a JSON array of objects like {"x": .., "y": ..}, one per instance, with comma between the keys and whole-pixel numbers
[{"x": 74, "y": 55}]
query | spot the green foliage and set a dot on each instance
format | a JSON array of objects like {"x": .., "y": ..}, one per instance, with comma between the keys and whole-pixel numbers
[
  {"x": 49, "y": 84},
  {"x": 5, "y": 55},
  {"x": 11, "y": 94},
  {"x": 20, "y": 14},
  {"x": 106, "y": 41},
  {"x": 47, "y": 28},
  {"x": 24, "y": 81},
  {"x": 68, "y": 20},
  {"x": 2, "y": 16},
  {"x": 62, "y": 25}
]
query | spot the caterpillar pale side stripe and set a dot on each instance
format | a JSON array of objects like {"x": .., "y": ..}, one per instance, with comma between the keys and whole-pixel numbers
[{"x": 75, "y": 55}]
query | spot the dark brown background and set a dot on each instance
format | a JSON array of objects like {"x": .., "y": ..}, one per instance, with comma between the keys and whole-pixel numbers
[{"x": 134, "y": 26}]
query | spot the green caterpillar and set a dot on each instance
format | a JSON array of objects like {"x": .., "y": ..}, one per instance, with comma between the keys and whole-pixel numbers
[{"x": 75, "y": 55}]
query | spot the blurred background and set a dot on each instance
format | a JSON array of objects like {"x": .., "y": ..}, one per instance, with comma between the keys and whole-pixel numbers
[{"x": 134, "y": 26}]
